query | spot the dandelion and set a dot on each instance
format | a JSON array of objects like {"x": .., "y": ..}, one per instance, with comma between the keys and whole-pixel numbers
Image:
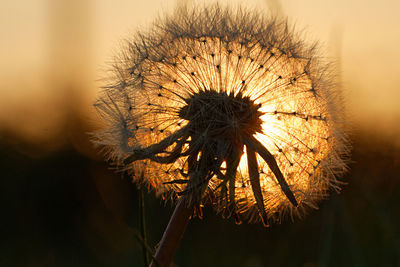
[{"x": 226, "y": 108}]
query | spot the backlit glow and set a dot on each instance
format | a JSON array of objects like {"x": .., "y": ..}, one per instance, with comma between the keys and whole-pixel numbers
[{"x": 155, "y": 78}]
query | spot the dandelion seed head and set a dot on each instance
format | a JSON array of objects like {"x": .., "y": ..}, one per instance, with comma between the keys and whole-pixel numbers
[{"x": 229, "y": 107}]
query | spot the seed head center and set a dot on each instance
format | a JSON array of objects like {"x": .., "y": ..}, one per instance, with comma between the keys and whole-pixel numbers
[{"x": 221, "y": 115}]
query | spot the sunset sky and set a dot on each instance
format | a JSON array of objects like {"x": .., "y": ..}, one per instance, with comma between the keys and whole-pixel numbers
[
  {"x": 52, "y": 50},
  {"x": 64, "y": 204}
]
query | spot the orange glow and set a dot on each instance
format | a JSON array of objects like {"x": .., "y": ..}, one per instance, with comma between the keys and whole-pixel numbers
[{"x": 188, "y": 100}]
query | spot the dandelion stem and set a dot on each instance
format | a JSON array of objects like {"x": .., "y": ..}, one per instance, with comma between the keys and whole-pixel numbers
[
  {"x": 142, "y": 223},
  {"x": 173, "y": 234}
]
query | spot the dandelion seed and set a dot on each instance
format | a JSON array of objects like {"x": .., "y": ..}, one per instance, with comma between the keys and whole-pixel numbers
[{"x": 226, "y": 108}]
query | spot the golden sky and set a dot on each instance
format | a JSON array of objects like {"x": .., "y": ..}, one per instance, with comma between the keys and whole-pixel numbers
[{"x": 51, "y": 50}]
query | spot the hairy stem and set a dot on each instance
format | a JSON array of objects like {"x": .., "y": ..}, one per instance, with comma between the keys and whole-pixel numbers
[{"x": 173, "y": 234}]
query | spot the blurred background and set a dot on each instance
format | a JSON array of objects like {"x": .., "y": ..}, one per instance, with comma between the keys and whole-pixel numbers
[{"x": 61, "y": 205}]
